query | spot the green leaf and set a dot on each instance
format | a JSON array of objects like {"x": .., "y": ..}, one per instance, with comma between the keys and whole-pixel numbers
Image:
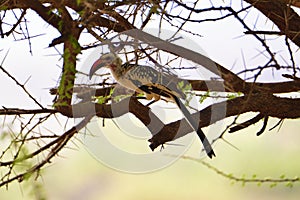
[
  {"x": 101, "y": 99},
  {"x": 111, "y": 91},
  {"x": 123, "y": 96},
  {"x": 258, "y": 184},
  {"x": 282, "y": 176},
  {"x": 239, "y": 94},
  {"x": 180, "y": 85},
  {"x": 231, "y": 96},
  {"x": 204, "y": 96},
  {"x": 289, "y": 184},
  {"x": 3, "y": 7},
  {"x": 273, "y": 185}
]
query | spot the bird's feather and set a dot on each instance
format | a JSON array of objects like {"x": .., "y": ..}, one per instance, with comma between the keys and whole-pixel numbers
[{"x": 165, "y": 93}]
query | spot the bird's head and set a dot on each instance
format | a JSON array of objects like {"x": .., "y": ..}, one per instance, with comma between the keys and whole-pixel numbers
[{"x": 108, "y": 60}]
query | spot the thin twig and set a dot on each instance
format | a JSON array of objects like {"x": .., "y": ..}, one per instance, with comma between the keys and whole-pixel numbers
[{"x": 18, "y": 83}]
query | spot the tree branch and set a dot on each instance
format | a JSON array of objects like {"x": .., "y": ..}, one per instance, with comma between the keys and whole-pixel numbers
[
  {"x": 18, "y": 111},
  {"x": 286, "y": 19},
  {"x": 282, "y": 108},
  {"x": 44, "y": 12},
  {"x": 57, "y": 144}
]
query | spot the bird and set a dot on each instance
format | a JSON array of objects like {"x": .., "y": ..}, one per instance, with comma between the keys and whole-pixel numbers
[{"x": 151, "y": 82}]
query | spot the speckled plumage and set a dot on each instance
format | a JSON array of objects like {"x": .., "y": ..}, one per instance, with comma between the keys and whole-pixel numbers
[
  {"x": 153, "y": 84},
  {"x": 142, "y": 79},
  {"x": 140, "y": 75}
]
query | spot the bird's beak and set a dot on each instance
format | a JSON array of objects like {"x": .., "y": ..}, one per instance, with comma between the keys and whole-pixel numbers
[{"x": 97, "y": 65}]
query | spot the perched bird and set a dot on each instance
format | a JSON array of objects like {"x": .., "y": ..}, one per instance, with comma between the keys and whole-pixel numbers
[{"x": 152, "y": 83}]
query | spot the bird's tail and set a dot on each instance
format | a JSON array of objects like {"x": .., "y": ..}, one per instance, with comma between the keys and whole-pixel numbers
[{"x": 208, "y": 148}]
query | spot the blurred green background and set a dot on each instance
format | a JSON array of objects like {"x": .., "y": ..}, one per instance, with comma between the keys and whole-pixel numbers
[{"x": 75, "y": 174}]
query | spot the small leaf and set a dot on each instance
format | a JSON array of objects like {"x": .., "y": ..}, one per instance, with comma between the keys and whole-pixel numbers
[
  {"x": 101, "y": 99},
  {"x": 289, "y": 184},
  {"x": 273, "y": 185},
  {"x": 258, "y": 184},
  {"x": 231, "y": 96},
  {"x": 282, "y": 176},
  {"x": 239, "y": 94},
  {"x": 111, "y": 91},
  {"x": 204, "y": 96},
  {"x": 180, "y": 84}
]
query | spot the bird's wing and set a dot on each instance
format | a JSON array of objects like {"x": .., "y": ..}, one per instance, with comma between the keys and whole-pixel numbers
[{"x": 152, "y": 81}]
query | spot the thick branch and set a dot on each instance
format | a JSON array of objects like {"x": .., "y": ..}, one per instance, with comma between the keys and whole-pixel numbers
[
  {"x": 272, "y": 88},
  {"x": 44, "y": 12},
  {"x": 286, "y": 19},
  {"x": 71, "y": 50},
  {"x": 278, "y": 107}
]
